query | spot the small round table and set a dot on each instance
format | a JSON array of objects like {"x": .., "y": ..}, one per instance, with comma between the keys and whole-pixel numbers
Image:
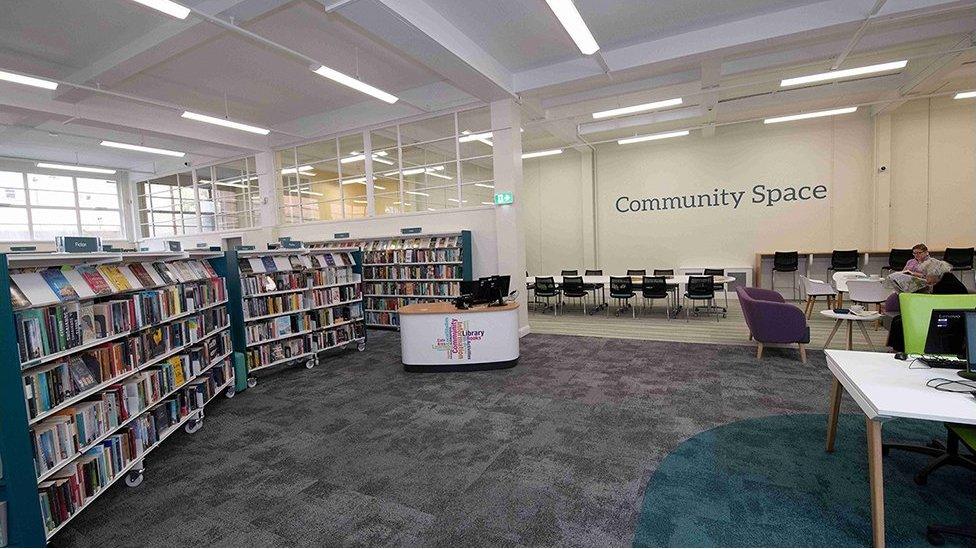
[{"x": 851, "y": 319}]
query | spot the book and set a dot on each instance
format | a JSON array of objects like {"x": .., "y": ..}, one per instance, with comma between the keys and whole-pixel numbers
[
  {"x": 115, "y": 277},
  {"x": 269, "y": 264},
  {"x": 296, "y": 263},
  {"x": 130, "y": 277},
  {"x": 94, "y": 279},
  {"x": 18, "y": 300},
  {"x": 164, "y": 272},
  {"x": 139, "y": 271},
  {"x": 153, "y": 274},
  {"x": 257, "y": 265},
  {"x": 87, "y": 322},
  {"x": 84, "y": 375},
  {"x": 208, "y": 268},
  {"x": 35, "y": 288},
  {"x": 77, "y": 282}
]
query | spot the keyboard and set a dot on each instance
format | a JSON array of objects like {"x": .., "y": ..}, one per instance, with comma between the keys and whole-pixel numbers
[{"x": 943, "y": 362}]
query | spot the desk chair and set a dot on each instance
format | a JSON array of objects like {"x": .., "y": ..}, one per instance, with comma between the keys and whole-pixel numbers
[
  {"x": 965, "y": 434},
  {"x": 961, "y": 259},
  {"x": 785, "y": 262},
  {"x": 573, "y": 289},
  {"x": 636, "y": 272},
  {"x": 622, "y": 289},
  {"x": 701, "y": 288},
  {"x": 897, "y": 258},
  {"x": 595, "y": 287},
  {"x": 720, "y": 288},
  {"x": 843, "y": 261},
  {"x": 655, "y": 287},
  {"x": 814, "y": 289},
  {"x": 566, "y": 272},
  {"x": 944, "y": 454},
  {"x": 673, "y": 288},
  {"x": 546, "y": 287}
]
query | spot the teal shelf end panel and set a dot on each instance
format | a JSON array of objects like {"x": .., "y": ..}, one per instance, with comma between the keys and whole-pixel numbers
[
  {"x": 24, "y": 525},
  {"x": 466, "y": 265},
  {"x": 228, "y": 268},
  {"x": 357, "y": 256}
]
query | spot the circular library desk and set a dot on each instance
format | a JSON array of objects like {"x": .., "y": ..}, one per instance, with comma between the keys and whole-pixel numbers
[{"x": 438, "y": 337}]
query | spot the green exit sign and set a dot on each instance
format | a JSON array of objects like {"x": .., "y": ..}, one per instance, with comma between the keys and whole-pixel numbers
[{"x": 504, "y": 198}]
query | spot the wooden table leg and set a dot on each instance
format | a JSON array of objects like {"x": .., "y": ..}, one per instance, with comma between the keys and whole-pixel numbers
[
  {"x": 876, "y": 477},
  {"x": 836, "y": 390},
  {"x": 832, "y": 332},
  {"x": 866, "y": 337},
  {"x": 850, "y": 335}
]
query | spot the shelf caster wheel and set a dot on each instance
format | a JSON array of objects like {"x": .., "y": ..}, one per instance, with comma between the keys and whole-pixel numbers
[
  {"x": 193, "y": 426},
  {"x": 310, "y": 364},
  {"x": 229, "y": 393},
  {"x": 362, "y": 346},
  {"x": 134, "y": 478},
  {"x": 252, "y": 382}
]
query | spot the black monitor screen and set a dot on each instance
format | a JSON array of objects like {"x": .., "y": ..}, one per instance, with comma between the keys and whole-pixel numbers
[
  {"x": 947, "y": 332},
  {"x": 470, "y": 287},
  {"x": 971, "y": 339}
]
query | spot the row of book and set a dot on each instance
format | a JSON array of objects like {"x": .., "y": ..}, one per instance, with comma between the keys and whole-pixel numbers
[
  {"x": 277, "y": 327},
  {"x": 336, "y": 294},
  {"x": 328, "y": 277},
  {"x": 298, "y": 262},
  {"x": 412, "y": 256},
  {"x": 270, "y": 353},
  {"x": 439, "y": 289},
  {"x": 408, "y": 243},
  {"x": 382, "y": 319},
  {"x": 270, "y": 305},
  {"x": 58, "y": 328},
  {"x": 327, "y": 339},
  {"x": 391, "y": 303},
  {"x": 404, "y": 272},
  {"x": 323, "y": 318},
  {"x": 48, "y": 286},
  {"x": 275, "y": 282}
]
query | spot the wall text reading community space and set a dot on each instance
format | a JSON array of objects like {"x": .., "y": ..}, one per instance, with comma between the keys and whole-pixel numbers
[{"x": 761, "y": 194}]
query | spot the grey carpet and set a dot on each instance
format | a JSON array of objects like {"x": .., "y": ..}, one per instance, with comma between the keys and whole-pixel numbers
[{"x": 357, "y": 452}]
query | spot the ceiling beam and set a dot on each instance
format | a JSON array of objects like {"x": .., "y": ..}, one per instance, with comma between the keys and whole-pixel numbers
[
  {"x": 711, "y": 77},
  {"x": 930, "y": 78}
]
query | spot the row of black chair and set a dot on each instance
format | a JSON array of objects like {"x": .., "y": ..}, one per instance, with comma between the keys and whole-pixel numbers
[{"x": 623, "y": 289}]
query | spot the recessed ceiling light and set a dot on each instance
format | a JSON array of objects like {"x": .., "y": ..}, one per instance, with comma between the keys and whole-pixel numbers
[
  {"x": 846, "y": 73},
  {"x": 965, "y": 95},
  {"x": 299, "y": 169},
  {"x": 571, "y": 20},
  {"x": 140, "y": 148},
  {"x": 652, "y": 137},
  {"x": 638, "y": 108},
  {"x": 355, "y": 84},
  {"x": 28, "y": 80},
  {"x": 72, "y": 168},
  {"x": 537, "y": 154},
  {"x": 804, "y": 116},
  {"x": 166, "y": 6},
  {"x": 226, "y": 123}
]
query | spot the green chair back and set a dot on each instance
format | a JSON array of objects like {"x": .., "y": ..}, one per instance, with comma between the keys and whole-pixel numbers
[
  {"x": 966, "y": 433},
  {"x": 916, "y": 310}
]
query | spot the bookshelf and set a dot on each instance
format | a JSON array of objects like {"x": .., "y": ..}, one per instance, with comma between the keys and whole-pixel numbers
[
  {"x": 405, "y": 269},
  {"x": 296, "y": 305},
  {"x": 103, "y": 356}
]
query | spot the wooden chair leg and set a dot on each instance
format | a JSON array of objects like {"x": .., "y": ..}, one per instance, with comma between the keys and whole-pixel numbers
[
  {"x": 803, "y": 353},
  {"x": 759, "y": 351}
]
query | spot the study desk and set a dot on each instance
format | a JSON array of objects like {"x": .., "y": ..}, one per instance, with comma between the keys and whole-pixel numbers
[
  {"x": 886, "y": 388},
  {"x": 439, "y": 337}
]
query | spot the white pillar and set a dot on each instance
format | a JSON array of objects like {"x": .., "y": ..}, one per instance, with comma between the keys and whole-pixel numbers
[
  {"x": 268, "y": 185},
  {"x": 882, "y": 182},
  {"x": 506, "y": 121},
  {"x": 587, "y": 219}
]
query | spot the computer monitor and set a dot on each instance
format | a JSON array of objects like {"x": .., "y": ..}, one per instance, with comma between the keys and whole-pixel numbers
[
  {"x": 970, "y": 327},
  {"x": 470, "y": 287},
  {"x": 947, "y": 332},
  {"x": 487, "y": 289}
]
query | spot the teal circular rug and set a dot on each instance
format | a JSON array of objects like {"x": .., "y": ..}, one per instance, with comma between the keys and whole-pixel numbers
[{"x": 768, "y": 482}]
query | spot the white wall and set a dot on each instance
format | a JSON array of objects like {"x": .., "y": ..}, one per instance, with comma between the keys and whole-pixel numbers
[{"x": 552, "y": 204}]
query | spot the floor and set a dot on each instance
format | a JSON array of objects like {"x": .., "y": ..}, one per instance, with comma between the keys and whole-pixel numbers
[
  {"x": 652, "y": 324},
  {"x": 556, "y": 451}
]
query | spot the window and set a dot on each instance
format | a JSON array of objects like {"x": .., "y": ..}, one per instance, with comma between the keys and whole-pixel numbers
[
  {"x": 38, "y": 206},
  {"x": 215, "y": 198}
]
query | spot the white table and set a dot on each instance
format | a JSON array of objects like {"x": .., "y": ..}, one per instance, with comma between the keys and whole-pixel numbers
[
  {"x": 850, "y": 319},
  {"x": 885, "y": 389}
]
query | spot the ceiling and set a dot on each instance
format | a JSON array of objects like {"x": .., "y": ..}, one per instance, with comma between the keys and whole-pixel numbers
[{"x": 724, "y": 58}]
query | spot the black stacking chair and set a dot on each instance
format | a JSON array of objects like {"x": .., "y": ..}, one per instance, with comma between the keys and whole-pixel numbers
[
  {"x": 701, "y": 288},
  {"x": 565, "y": 272},
  {"x": 573, "y": 288},
  {"x": 843, "y": 261},
  {"x": 545, "y": 287},
  {"x": 636, "y": 272},
  {"x": 961, "y": 259},
  {"x": 719, "y": 287},
  {"x": 594, "y": 287},
  {"x": 785, "y": 262},
  {"x": 655, "y": 287},
  {"x": 622, "y": 289},
  {"x": 897, "y": 258},
  {"x": 671, "y": 287}
]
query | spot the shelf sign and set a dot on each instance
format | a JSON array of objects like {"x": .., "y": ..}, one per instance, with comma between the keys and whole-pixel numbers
[
  {"x": 244, "y": 248},
  {"x": 340, "y": 235},
  {"x": 291, "y": 244},
  {"x": 78, "y": 244},
  {"x": 284, "y": 239},
  {"x": 504, "y": 198},
  {"x": 202, "y": 245},
  {"x": 23, "y": 248},
  {"x": 411, "y": 230}
]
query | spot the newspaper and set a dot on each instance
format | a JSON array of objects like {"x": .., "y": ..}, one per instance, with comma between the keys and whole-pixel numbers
[{"x": 904, "y": 282}]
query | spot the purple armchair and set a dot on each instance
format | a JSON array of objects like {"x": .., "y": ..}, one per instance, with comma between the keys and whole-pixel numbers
[{"x": 772, "y": 320}]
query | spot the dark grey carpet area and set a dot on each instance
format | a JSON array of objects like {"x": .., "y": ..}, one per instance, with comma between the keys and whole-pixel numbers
[{"x": 357, "y": 452}]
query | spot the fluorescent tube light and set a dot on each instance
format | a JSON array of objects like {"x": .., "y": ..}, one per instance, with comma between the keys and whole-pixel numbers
[
  {"x": 652, "y": 137},
  {"x": 804, "y": 116},
  {"x": 485, "y": 185},
  {"x": 638, "y": 108},
  {"x": 965, "y": 95},
  {"x": 355, "y": 84},
  {"x": 431, "y": 210},
  {"x": 415, "y": 171},
  {"x": 360, "y": 202},
  {"x": 487, "y": 203},
  {"x": 28, "y": 80},
  {"x": 404, "y": 204},
  {"x": 416, "y": 193},
  {"x": 226, "y": 123},
  {"x": 537, "y": 154},
  {"x": 467, "y": 137},
  {"x": 435, "y": 174},
  {"x": 360, "y": 157},
  {"x": 354, "y": 180},
  {"x": 836, "y": 75},
  {"x": 571, "y": 20},
  {"x": 299, "y": 169},
  {"x": 458, "y": 201},
  {"x": 140, "y": 148},
  {"x": 72, "y": 168},
  {"x": 166, "y": 6}
]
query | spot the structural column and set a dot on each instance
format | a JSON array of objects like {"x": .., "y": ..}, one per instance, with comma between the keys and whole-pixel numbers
[
  {"x": 587, "y": 214},
  {"x": 506, "y": 121},
  {"x": 268, "y": 186},
  {"x": 882, "y": 182}
]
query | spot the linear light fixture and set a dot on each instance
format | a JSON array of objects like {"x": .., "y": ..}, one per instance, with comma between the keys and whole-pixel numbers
[
  {"x": 467, "y": 137},
  {"x": 72, "y": 168},
  {"x": 458, "y": 201},
  {"x": 804, "y": 116},
  {"x": 360, "y": 202},
  {"x": 638, "y": 108},
  {"x": 355, "y": 84},
  {"x": 487, "y": 203},
  {"x": 846, "y": 73},
  {"x": 485, "y": 185},
  {"x": 965, "y": 95},
  {"x": 652, "y": 137},
  {"x": 537, "y": 154},
  {"x": 166, "y": 6},
  {"x": 415, "y": 171},
  {"x": 226, "y": 123},
  {"x": 571, "y": 20},
  {"x": 362, "y": 156},
  {"x": 140, "y": 148},
  {"x": 28, "y": 80},
  {"x": 417, "y": 193},
  {"x": 354, "y": 181},
  {"x": 397, "y": 203},
  {"x": 300, "y": 169}
]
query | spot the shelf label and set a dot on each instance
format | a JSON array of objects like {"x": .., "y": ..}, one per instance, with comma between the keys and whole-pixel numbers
[
  {"x": 23, "y": 248},
  {"x": 504, "y": 198},
  {"x": 244, "y": 248},
  {"x": 411, "y": 230},
  {"x": 291, "y": 244},
  {"x": 78, "y": 244},
  {"x": 340, "y": 235}
]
